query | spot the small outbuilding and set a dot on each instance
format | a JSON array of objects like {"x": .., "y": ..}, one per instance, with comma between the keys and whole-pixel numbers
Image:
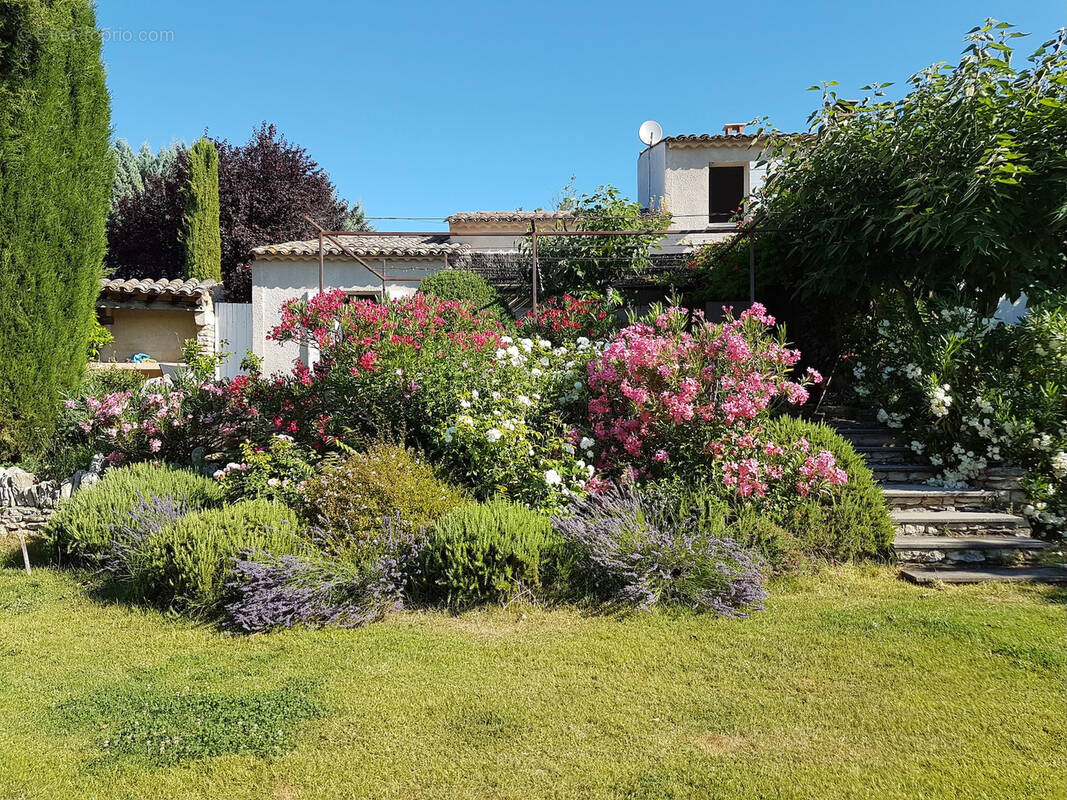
[{"x": 155, "y": 317}]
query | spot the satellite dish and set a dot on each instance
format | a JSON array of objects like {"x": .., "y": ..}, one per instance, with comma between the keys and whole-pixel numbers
[{"x": 650, "y": 132}]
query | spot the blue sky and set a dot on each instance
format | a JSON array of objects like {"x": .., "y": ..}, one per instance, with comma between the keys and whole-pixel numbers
[{"x": 425, "y": 109}]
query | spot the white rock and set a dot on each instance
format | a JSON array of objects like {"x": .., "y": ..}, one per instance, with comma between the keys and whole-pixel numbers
[{"x": 20, "y": 478}]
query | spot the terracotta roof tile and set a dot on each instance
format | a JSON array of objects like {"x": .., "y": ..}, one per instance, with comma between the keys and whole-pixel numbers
[
  {"x": 735, "y": 140},
  {"x": 176, "y": 288},
  {"x": 369, "y": 246},
  {"x": 508, "y": 216}
]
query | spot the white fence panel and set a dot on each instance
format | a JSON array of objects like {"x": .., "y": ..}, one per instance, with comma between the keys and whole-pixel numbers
[{"x": 233, "y": 323}]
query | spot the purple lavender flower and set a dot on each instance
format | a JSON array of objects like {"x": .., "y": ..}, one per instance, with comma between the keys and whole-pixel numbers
[
  {"x": 282, "y": 591},
  {"x": 118, "y": 562},
  {"x": 634, "y": 551}
]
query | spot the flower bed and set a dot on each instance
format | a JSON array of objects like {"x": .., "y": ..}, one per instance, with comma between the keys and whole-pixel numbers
[{"x": 533, "y": 430}]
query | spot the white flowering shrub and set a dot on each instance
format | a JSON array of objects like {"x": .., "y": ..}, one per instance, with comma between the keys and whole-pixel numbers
[
  {"x": 508, "y": 434},
  {"x": 971, "y": 392}
]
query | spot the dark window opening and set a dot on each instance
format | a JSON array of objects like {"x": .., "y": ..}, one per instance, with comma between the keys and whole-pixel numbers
[
  {"x": 726, "y": 190},
  {"x": 375, "y": 296}
]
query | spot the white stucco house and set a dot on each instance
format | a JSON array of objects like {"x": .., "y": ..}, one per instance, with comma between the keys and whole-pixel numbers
[
  {"x": 702, "y": 180},
  {"x": 479, "y": 240}
]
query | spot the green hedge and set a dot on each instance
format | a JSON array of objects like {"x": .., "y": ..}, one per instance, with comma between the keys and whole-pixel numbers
[
  {"x": 857, "y": 523},
  {"x": 461, "y": 284},
  {"x": 82, "y": 525},
  {"x": 487, "y": 553},
  {"x": 186, "y": 564}
]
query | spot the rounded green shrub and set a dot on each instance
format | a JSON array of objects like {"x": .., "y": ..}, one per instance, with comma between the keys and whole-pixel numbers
[
  {"x": 682, "y": 504},
  {"x": 461, "y": 284},
  {"x": 777, "y": 545},
  {"x": 487, "y": 553},
  {"x": 186, "y": 564},
  {"x": 82, "y": 525},
  {"x": 853, "y": 525},
  {"x": 349, "y": 498}
]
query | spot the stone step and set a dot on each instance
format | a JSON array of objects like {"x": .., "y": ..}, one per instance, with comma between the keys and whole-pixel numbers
[
  {"x": 927, "y": 575},
  {"x": 958, "y": 523},
  {"x": 860, "y": 427},
  {"x": 889, "y": 453},
  {"x": 835, "y": 420},
  {"x": 904, "y": 496},
  {"x": 988, "y": 550},
  {"x": 902, "y": 473},
  {"x": 880, "y": 438},
  {"x": 830, "y": 405}
]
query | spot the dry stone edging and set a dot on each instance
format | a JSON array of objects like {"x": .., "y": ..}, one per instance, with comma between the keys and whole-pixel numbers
[{"x": 26, "y": 504}]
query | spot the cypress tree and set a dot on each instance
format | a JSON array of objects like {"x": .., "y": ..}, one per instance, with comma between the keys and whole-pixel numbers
[
  {"x": 56, "y": 175},
  {"x": 203, "y": 245}
]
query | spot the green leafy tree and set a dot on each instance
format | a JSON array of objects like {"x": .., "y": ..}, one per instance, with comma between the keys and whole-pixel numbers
[
  {"x": 594, "y": 263},
  {"x": 203, "y": 244},
  {"x": 960, "y": 183},
  {"x": 56, "y": 176}
]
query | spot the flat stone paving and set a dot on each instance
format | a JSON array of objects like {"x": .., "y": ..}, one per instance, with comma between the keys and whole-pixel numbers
[
  {"x": 924, "y": 575},
  {"x": 968, "y": 543}
]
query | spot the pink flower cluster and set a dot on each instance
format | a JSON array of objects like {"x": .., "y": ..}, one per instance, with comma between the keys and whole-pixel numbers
[
  {"x": 676, "y": 389},
  {"x": 756, "y": 468},
  {"x": 357, "y": 334},
  {"x": 819, "y": 471},
  {"x": 131, "y": 425}
]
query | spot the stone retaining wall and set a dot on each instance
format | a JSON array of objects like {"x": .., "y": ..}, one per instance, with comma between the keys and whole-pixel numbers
[
  {"x": 26, "y": 503},
  {"x": 1005, "y": 481}
]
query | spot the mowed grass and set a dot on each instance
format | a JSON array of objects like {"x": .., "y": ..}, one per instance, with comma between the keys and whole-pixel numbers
[{"x": 851, "y": 684}]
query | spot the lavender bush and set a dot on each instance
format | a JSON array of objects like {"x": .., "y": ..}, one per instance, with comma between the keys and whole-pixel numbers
[
  {"x": 118, "y": 561},
  {"x": 634, "y": 550},
  {"x": 283, "y": 591}
]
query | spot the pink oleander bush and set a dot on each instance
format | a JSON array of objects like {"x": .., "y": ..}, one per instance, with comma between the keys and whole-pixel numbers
[
  {"x": 358, "y": 335},
  {"x": 131, "y": 425},
  {"x": 676, "y": 395},
  {"x": 567, "y": 317}
]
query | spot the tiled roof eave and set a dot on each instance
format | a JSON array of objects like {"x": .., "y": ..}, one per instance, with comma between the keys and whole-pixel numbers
[
  {"x": 509, "y": 216},
  {"x": 183, "y": 291},
  {"x": 363, "y": 247},
  {"x": 729, "y": 140}
]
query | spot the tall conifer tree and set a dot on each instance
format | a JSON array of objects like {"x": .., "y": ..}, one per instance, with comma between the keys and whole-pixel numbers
[
  {"x": 56, "y": 175},
  {"x": 128, "y": 180},
  {"x": 203, "y": 245}
]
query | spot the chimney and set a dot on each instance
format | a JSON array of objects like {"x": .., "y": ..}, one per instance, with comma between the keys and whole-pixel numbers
[{"x": 734, "y": 129}]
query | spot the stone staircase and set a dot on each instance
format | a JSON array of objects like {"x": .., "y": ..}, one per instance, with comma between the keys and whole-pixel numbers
[{"x": 946, "y": 535}]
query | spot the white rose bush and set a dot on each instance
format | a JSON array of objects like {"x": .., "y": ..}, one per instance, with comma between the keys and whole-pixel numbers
[{"x": 509, "y": 436}]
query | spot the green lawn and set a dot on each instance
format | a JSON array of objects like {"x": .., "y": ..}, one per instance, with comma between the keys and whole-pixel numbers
[{"x": 850, "y": 684}]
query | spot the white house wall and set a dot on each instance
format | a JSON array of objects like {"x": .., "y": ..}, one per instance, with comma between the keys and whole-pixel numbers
[
  {"x": 275, "y": 282},
  {"x": 505, "y": 241},
  {"x": 686, "y": 175},
  {"x": 651, "y": 175},
  {"x": 686, "y": 178}
]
